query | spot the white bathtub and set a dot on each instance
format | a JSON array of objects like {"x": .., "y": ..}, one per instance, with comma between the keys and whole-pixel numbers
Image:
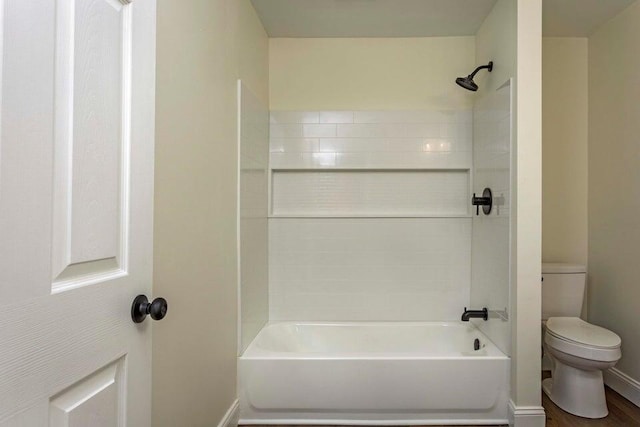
[{"x": 372, "y": 373}]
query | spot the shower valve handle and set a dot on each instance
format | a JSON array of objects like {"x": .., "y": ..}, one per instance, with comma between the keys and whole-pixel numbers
[{"x": 486, "y": 201}]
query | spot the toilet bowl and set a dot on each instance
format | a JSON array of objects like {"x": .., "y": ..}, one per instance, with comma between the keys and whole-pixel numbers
[{"x": 580, "y": 352}]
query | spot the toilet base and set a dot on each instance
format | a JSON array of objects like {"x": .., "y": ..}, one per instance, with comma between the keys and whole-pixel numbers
[{"x": 577, "y": 391}]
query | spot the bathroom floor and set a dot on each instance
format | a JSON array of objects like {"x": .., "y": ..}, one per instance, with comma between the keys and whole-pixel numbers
[{"x": 622, "y": 413}]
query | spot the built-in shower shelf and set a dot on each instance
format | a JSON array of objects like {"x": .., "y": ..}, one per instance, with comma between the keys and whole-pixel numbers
[{"x": 373, "y": 193}]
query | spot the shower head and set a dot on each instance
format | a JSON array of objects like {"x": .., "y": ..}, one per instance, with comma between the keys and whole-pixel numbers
[{"x": 468, "y": 83}]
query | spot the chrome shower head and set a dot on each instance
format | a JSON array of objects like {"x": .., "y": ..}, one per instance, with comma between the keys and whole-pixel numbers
[{"x": 468, "y": 83}]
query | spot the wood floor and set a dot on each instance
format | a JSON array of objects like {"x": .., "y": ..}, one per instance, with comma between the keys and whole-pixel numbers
[{"x": 622, "y": 413}]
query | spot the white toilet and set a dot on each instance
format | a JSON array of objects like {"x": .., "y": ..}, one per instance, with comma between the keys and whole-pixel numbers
[{"x": 579, "y": 350}]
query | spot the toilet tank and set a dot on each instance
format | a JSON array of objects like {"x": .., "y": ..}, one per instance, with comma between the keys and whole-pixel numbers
[{"x": 563, "y": 288}]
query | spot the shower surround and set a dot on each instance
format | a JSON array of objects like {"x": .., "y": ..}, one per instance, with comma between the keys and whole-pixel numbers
[
  {"x": 373, "y": 252},
  {"x": 369, "y": 215}
]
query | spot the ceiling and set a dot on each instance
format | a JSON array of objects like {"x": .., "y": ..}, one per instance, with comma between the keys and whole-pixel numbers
[
  {"x": 372, "y": 18},
  {"x": 578, "y": 18},
  {"x": 420, "y": 18}
]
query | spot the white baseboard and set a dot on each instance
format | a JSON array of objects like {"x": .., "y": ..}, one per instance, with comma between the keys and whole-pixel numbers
[
  {"x": 623, "y": 384},
  {"x": 232, "y": 416},
  {"x": 526, "y": 416}
]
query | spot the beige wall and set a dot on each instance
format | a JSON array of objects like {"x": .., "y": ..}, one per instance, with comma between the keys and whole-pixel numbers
[
  {"x": 564, "y": 149},
  {"x": 614, "y": 182},
  {"x": 203, "y": 47},
  {"x": 369, "y": 73},
  {"x": 511, "y": 37},
  {"x": 496, "y": 41},
  {"x": 527, "y": 236}
]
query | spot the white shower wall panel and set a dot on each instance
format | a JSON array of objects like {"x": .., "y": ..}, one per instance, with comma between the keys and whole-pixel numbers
[
  {"x": 371, "y": 139},
  {"x": 491, "y": 233},
  {"x": 370, "y": 216},
  {"x": 369, "y": 268},
  {"x": 371, "y": 192},
  {"x": 253, "y": 140}
]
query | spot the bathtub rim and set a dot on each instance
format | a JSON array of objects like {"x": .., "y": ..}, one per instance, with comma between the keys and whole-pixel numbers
[{"x": 252, "y": 352}]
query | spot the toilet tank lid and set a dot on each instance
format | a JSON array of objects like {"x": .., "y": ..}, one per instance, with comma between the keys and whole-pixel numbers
[{"x": 562, "y": 268}]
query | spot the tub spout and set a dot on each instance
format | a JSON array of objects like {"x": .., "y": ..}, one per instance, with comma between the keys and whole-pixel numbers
[{"x": 478, "y": 314}]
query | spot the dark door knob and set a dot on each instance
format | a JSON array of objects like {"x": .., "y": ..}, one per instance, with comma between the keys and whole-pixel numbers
[{"x": 141, "y": 307}]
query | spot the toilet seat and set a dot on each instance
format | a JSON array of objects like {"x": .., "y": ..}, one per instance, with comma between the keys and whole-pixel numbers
[{"x": 574, "y": 336}]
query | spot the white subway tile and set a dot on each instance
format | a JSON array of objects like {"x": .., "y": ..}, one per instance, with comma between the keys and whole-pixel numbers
[
  {"x": 404, "y": 116},
  {"x": 371, "y": 269},
  {"x": 406, "y": 160},
  {"x": 336, "y": 117},
  {"x": 374, "y": 269},
  {"x": 286, "y": 131},
  {"x": 294, "y": 145},
  {"x": 319, "y": 131},
  {"x": 378, "y": 130},
  {"x": 426, "y": 130},
  {"x": 369, "y": 192},
  {"x": 363, "y": 145}
]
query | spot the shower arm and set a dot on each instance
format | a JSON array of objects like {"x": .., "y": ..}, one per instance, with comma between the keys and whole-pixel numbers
[{"x": 489, "y": 66}]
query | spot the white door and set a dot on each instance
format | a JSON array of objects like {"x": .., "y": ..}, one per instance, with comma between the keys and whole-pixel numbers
[{"x": 76, "y": 191}]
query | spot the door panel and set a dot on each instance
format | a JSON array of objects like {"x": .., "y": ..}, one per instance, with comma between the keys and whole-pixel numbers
[
  {"x": 26, "y": 154},
  {"x": 96, "y": 401},
  {"x": 92, "y": 94},
  {"x": 76, "y": 197}
]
